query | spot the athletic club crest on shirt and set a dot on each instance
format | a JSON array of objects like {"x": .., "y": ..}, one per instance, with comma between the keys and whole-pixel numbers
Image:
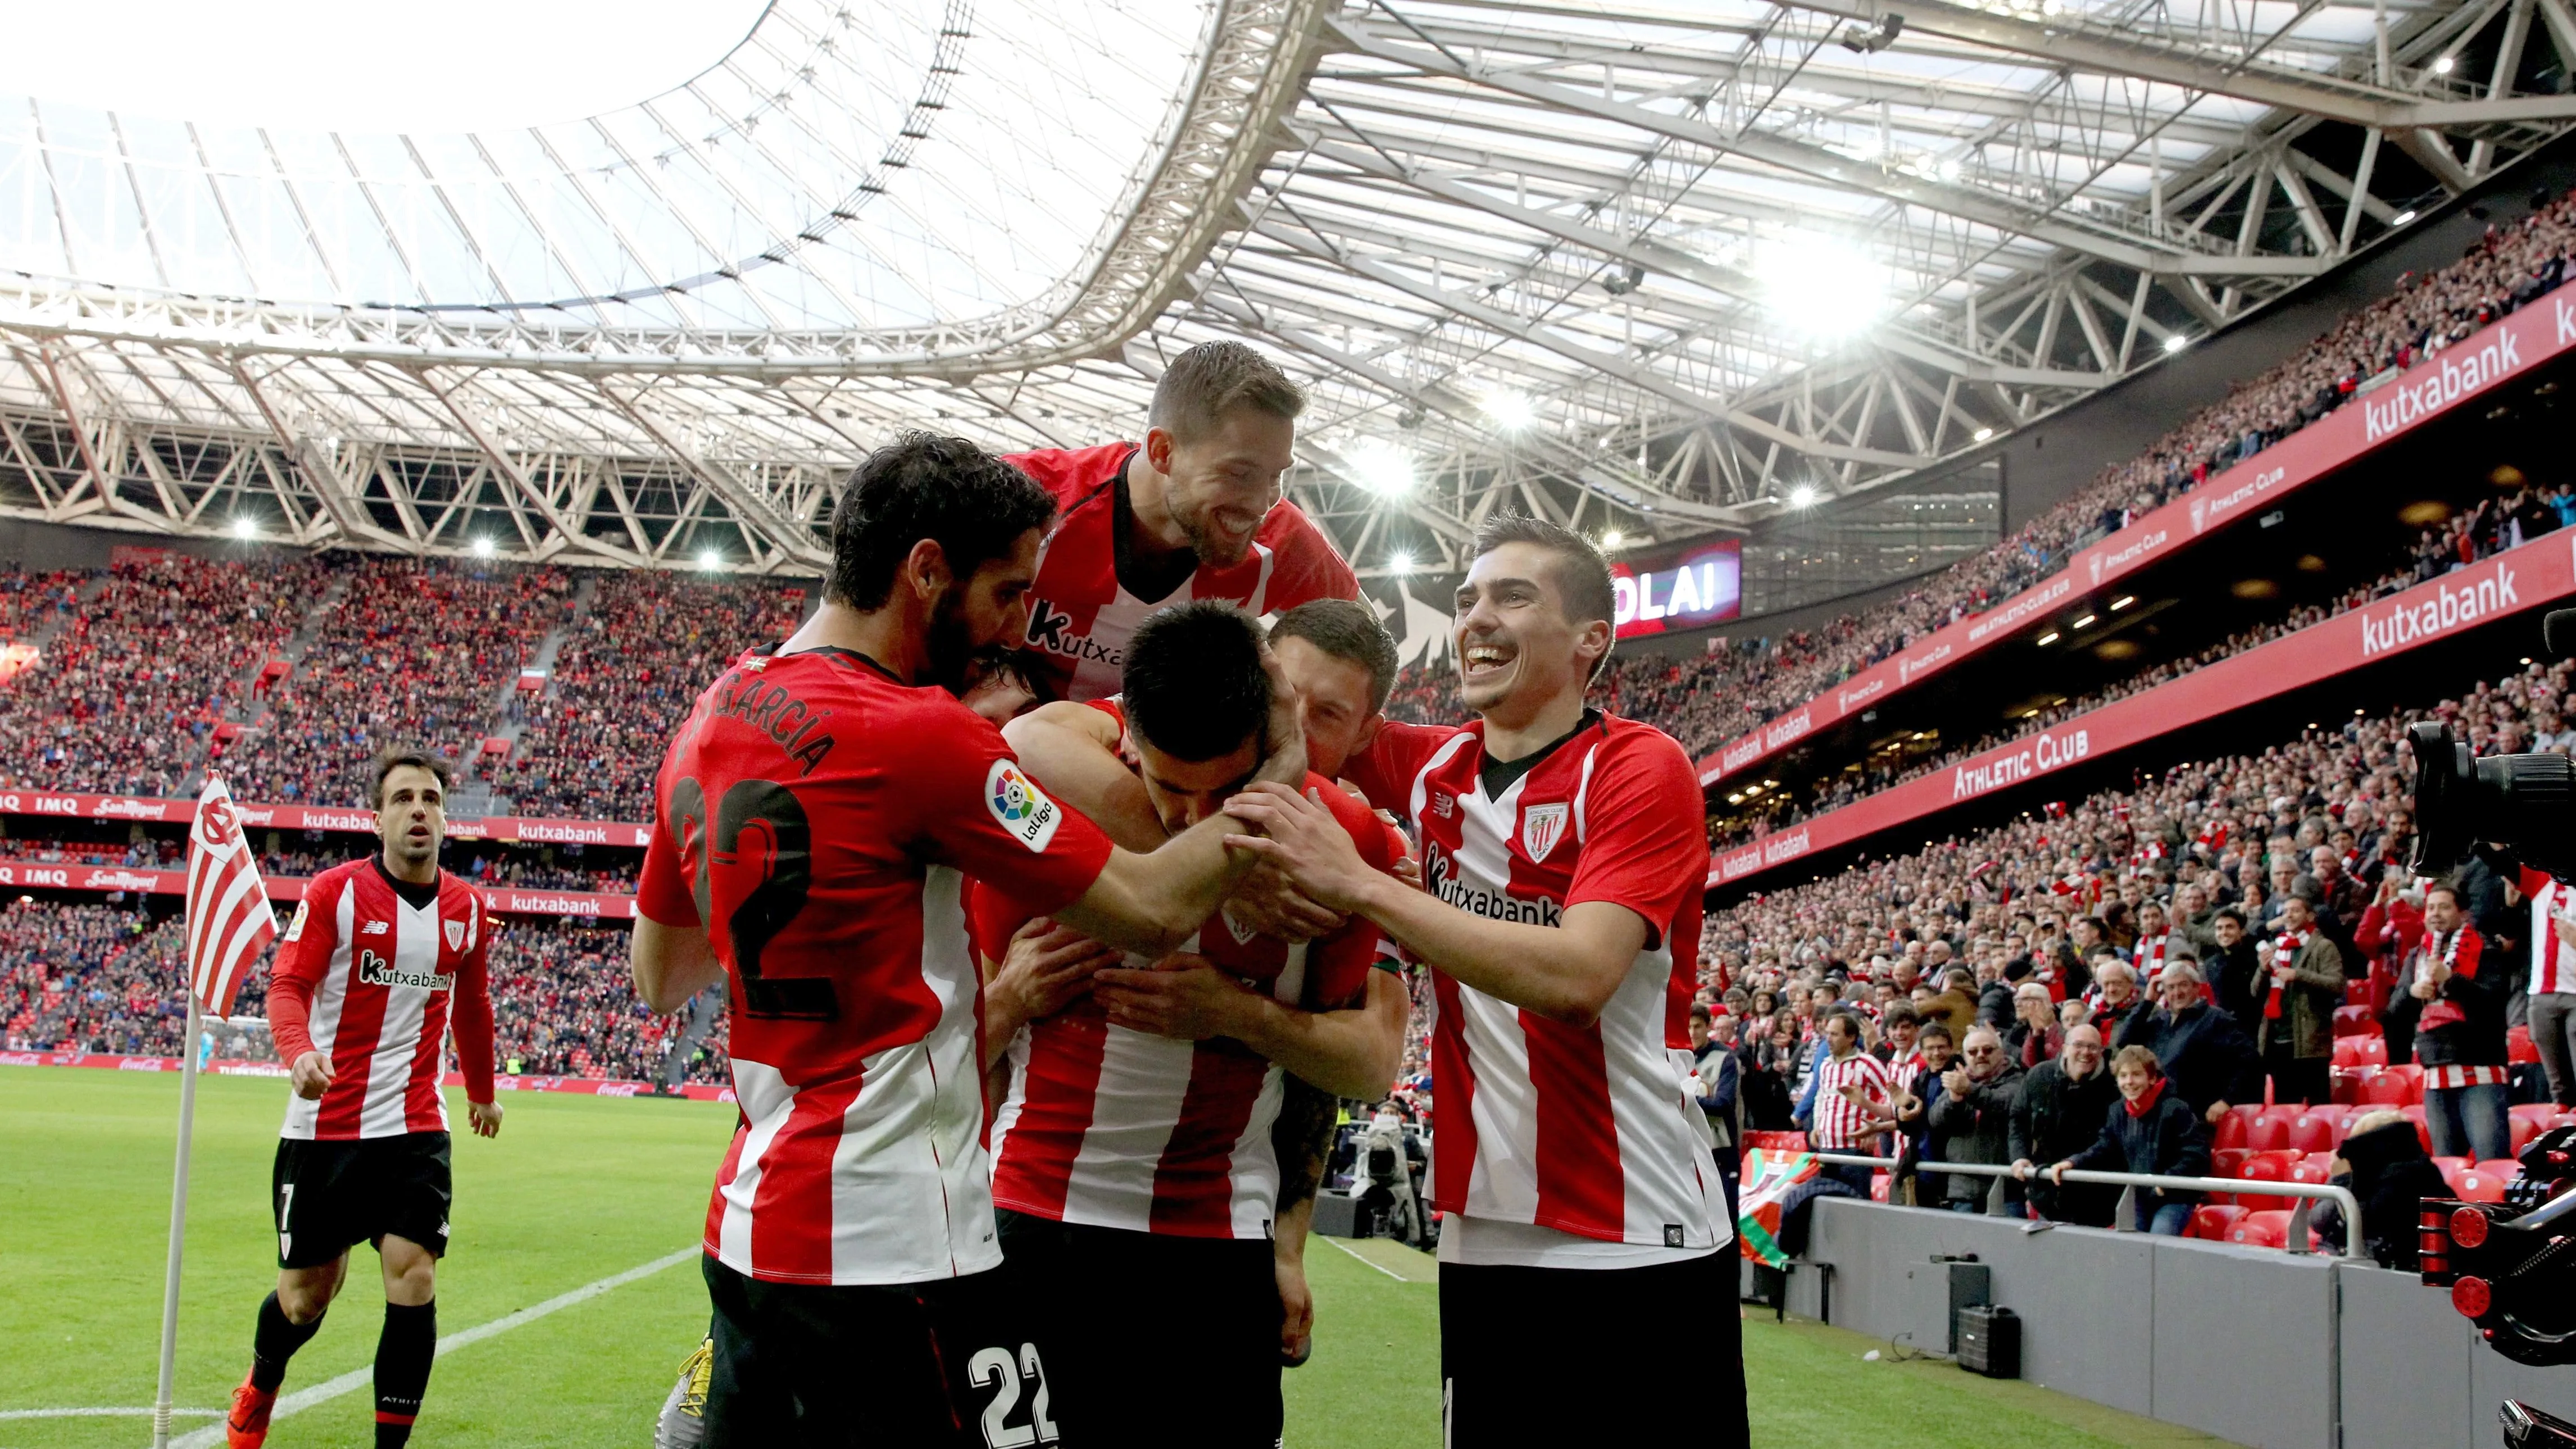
[
  {"x": 1540, "y": 827},
  {"x": 1242, "y": 933},
  {"x": 455, "y": 935}
]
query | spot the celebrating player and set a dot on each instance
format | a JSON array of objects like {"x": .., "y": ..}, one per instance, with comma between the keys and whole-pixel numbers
[
  {"x": 1133, "y": 1153},
  {"x": 1192, "y": 512},
  {"x": 819, "y": 811},
  {"x": 1564, "y": 860},
  {"x": 384, "y": 956}
]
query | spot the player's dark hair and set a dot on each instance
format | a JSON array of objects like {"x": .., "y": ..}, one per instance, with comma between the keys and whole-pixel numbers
[
  {"x": 1582, "y": 573},
  {"x": 395, "y": 757},
  {"x": 1194, "y": 687},
  {"x": 921, "y": 485},
  {"x": 1212, "y": 379},
  {"x": 1345, "y": 629}
]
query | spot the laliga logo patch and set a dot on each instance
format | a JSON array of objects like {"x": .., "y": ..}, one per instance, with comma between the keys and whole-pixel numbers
[
  {"x": 295, "y": 928},
  {"x": 455, "y": 935},
  {"x": 1019, "y": 807},
  {"x": 1541, "y": 826}
]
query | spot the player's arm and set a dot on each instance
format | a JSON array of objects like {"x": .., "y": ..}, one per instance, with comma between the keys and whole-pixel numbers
[
  {"x": 1044, "y": 969},
  {"x": 671, "y": 962},
  {"x": 1072, "y": 750},
  {"x": 1352, "y": 1052},
  {"x": 302, "y": 957},
  {"x": 470, "y": 1019},
  {"x": 1566, "y": 973}
]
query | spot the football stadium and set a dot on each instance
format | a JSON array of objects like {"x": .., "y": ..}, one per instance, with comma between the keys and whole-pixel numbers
[{"x": 1010, "y": 723}]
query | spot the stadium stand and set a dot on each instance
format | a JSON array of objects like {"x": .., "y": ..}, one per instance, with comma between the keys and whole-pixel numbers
[
  {"x": 1706, "y": 701},
  {"x": 637, "y": 658}
]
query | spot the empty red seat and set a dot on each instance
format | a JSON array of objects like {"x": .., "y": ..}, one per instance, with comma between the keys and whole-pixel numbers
[
  {"x": 2348, "y": 1083},
  {"x": 2412, "y": 1075},
  {"x": 2502, "y": 1169},
  {"x": 2387, "y": 1088},
  {"x": 2558, "y": 1120},
  {"x": 2518, "y": 1047},
  {"x": 2212, "y": 1220},
  {"x": 2451, "y": 1168},
  {"x": 2265, "y": 1228},
  {"x": 2314, "y": 1169},
  {"x": 2472, "y": 1184},
  {"x": 2228, "y": 1162},
  {"x": 1878, "y": 1187},
  {"x": 2361, "y": 1051},
  {"x": 2266, "y": 1167},
  {"x": 2538, "y": 1112},
  {"x": 2266, "y": 1132},
  {"x": 2230, "y": 1132},
  {"x": 2316, "y": 1131},
  {"x": 2354, "y": 1020}
]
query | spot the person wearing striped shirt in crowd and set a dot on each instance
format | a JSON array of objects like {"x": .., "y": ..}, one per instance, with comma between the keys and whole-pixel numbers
[
  {"x": 2552, "y": 992},
  {"x": 2449, "y": 1010},
  {"x": 1564, "y": 859},
  {"x": 1849, "y": 1101}
]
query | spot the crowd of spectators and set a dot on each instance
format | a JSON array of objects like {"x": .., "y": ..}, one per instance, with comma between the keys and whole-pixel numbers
[
  {"x": 2489, "y": 528},
  {"x": 649, "y": 642},
  {"x": 124, "y": 698},
  {"x": 30, "y": 602},
  {"x": 416, "y": 652},
  {"x": 110, "y": 978},
  {"x": 1707, "y": 701}
]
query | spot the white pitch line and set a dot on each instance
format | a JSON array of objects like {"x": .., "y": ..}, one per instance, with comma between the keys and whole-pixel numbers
[
  {"x": 106, "y": 1413},
  {"x": 329, "y": 1389},
  {"x": 1381, "y": 1267}
]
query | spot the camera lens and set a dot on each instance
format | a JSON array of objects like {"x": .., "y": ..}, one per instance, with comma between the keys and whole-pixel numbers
[{"x": 2516, "y": 801}]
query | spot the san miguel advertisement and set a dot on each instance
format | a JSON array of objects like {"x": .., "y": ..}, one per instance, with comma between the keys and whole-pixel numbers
[
  {"x": 2539, "y": 572},
  {"x": 256, "y": 816},
  {"x": 2430, "y": 389},
  {"x": 500, "y": 900},
  {"x": 1702, "y": 586}
]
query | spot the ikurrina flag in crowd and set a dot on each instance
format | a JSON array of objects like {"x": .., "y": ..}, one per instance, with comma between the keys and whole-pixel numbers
[
  {"x": 1768, "y": 1176},
  {"x": 229, "y": 919}
]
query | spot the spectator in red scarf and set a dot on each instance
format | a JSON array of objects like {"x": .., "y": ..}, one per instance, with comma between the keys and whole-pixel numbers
[
  {"x": 2450, "y": 1011},
  {"x": 2150, "y": 1130},
  {"x": 2294, "y": 1003}
]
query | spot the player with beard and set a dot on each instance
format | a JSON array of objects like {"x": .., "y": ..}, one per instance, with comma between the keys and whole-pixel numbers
[
  {"x": 1194, "y": 511},
  {"x": 817, "y": 815},
  {"x": 1564, "y": 858},
  {"x": 1133, "y": 1151}
]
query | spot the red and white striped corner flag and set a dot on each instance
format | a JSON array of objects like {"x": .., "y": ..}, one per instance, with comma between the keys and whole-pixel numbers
[{"x": 229, "y": 919}]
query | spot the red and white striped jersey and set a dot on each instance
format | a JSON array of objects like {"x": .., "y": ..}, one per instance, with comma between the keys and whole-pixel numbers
[
  {"x": 1116, "y": 1128},
  {"x": 1081, "y": 614},
  {"x": 376, "y": 982},
  {"x": 2553, "y": 954},
  {"x": 1838, "y": 1125},
  {"x": 1592, "y": 1131},
  {"x": 820, "y": 817}
]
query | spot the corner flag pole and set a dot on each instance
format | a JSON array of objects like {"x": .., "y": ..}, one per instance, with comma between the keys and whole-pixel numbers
[
  {"x": 229, "y": 923},
  {"x": 178, "y": 1235}
]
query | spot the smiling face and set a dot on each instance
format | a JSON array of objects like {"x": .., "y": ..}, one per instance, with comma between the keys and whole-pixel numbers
[
  {"x": 1514, "y": 638},
  {"x": 1220, "y": 484}
]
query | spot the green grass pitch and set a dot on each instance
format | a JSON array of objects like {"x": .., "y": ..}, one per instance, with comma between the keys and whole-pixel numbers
[{"x": 577, "y": 1189}]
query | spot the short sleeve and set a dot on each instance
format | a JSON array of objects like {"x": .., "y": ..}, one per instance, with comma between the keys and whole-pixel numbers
[
  {"x": 1385, "y": 771},
  {"x": 1641, "y": 828},
  {"x": 666, "y": 895},
  {"x": 977, "y": 810},
  {"x": 1340, "y": 962},
  {"x": 993, "y": 917}
]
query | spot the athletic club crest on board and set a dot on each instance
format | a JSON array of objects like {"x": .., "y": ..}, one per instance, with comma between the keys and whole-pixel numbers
[{"x": 1540, "y": 827}]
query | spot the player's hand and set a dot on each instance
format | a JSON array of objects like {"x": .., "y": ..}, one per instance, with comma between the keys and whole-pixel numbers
[
  {"x": 486, "y": 1117},
  {"x": 2216, "y": 1110},
  {"x": 1287, "y": 727},
  {"x": 311, "y": 1075},
  {"x": 1183, "y": 997},
  {"x": 1296, "y": 1309},
  {"x": 1304, "y": 840},
  {"x": 1047, "y": 968},
  {"x": 1269, "y": 904}
]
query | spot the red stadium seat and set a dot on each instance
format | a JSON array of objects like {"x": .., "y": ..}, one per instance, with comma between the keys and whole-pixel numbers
[
  {"x": 1878, "y": 1187},
  {"x": 2518, "y": 1048},
  {"x": 2264, "y": 1228},
  {"x": 2558, "y": 1120},
  {"x": 2361, "y": 1051},
  {"x": 2524, "y": 1130},
  {"x": 2252, "y": 1116},
  {"x": 2314, "y": 1169},
  {"x": 2212, "y": 1220},
  {"x": 2229, "y": 1135},
  {"x": 2451, "y": 1168},
  {"x": 2354, "y": 1021},
  {"x": 2474, "y": 1184},
  {"x": 2389, "y": 1088},
  {"x": 2266, "y": 1167},
  {"x": 2502, "y": 1169},
  {"x": 2348, "y": 1083},
  {"x": 2282, "y": 1117},
  {"x": 2317, "y": 1131}
]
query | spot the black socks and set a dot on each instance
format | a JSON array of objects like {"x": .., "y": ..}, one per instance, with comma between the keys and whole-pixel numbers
[
  {"x": 274, "y": 1342},
  {"x": 403, "y": 1357}
]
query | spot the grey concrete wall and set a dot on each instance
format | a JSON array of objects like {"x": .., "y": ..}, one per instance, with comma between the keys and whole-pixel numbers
[{"x": 2236, "y": 1342}]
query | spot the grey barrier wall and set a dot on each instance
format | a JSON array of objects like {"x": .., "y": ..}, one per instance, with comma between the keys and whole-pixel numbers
[{"x": 2254, "y": 1345}]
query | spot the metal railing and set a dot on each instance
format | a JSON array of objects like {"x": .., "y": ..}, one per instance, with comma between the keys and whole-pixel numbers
[{"x": 2295, "y": 1238}]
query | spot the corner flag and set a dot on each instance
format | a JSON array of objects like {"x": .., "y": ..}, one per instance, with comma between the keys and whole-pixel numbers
[{"x": 229, "y": 918}]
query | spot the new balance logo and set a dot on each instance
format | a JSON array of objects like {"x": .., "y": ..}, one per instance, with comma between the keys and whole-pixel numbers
[{"x": 374, "y": 928}]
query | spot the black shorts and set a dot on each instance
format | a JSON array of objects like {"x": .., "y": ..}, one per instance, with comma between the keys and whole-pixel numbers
[
  {"x": 1156, "y": 1340},
  {"x": 939, "y": 1365},
  {"x": 330, "y": 1195},
  {"x": 1656, "y": 1354}
]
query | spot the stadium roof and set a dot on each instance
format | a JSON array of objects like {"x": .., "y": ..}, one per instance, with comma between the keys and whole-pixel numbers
[{"x": 1643, "y": 267}]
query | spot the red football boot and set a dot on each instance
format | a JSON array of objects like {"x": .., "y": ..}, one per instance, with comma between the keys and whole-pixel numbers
[{"x": 246, "y": 1427}]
